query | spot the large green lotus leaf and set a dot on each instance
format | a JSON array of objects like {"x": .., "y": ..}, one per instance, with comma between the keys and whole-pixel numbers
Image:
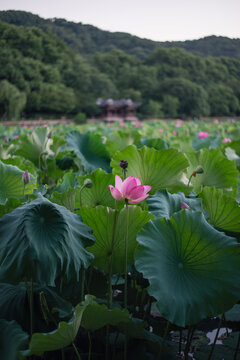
[
  {"x": 160, "y": 169},
  {"x": 57, "y": 144},
  {"x": 42, "y": 240},
  {"x": 98, "y": 315},
  {"x": 155, "y": 143},
  {"x": 10, "y": 205},
  {"x": 218, "y": 171},
  {"x": 193, "y": 269},
  {"x": 101, "y": 220},
  {"x": 121, "y": 139},
  {"x": 90, "y": 149},
  {"x": 22, "y": 164},
  {"x": 65, "y": 191},
  {"x": 223, "y": 211},
  {"x": 12, "y": 339},
  {"x": 14, "y": 305},
  {"x": 98, "y": 194},
  {"x": 63, "y": 336},
  {"x": 210, "y": 142},
  {"x": 11, "y": 185},
  {"x": 233, "y": 314},
  {"x": 31, "y": 145},
  {"x": 164, "y": 204}
]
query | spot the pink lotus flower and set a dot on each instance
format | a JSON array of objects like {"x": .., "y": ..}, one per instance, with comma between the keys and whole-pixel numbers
[
  {"x": 226, "y": 140},
  {"x": 129, "y": 189},
  {"x": 216, "y": 121},
  {"x": 203, "y": 135},
  {"x": 160, "y": 131},
  {"x": 15, "y": 137},
  {"x": 174, "y": 132}
]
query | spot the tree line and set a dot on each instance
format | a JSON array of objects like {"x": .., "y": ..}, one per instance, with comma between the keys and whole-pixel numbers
[{"x": 39, "y": 73}]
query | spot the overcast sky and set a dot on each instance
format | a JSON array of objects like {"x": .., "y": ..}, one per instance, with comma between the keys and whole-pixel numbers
[{"x": 152, "y": 19}]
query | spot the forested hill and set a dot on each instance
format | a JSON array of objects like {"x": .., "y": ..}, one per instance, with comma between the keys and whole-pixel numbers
[
  {"x": 87, "y": 39},
  {"x": 40, "y": 74}
]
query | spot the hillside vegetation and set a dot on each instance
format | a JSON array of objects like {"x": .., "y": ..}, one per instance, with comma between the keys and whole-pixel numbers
[
  {"x": 88, "y": 39},
  {"x": 40, "y": 73}
]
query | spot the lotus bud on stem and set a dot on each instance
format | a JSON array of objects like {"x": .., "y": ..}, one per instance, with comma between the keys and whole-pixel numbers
[
  {"x": 198, "y": 170},
  {"x": 25, "y": 179}
]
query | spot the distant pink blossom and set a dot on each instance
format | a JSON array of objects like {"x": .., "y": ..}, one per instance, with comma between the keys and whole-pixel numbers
[
  {"x": 24, "y": 126},
  {"x": 6, "y": 139},
  {"x": 184, "y": 205},
  {"x": 216, "y": 121},
  {"x": 130, "y": 189},
  {"x": 203, "y": 135},
  {"x": 227, "y": 140},
  {"x": 160, "y": 131},
  {"x": 31, "y": 127},
  {"x": 174, "y": 132},
  {"x": 15, "y": 137}
]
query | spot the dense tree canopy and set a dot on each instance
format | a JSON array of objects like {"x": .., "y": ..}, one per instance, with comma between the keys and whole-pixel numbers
[{"x": 39, "y": 73}]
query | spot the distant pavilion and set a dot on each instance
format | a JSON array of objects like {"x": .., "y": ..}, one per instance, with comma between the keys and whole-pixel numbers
[{"x": 116, "y": 110}]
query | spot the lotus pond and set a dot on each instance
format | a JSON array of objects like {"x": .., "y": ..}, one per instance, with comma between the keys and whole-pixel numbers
[{"x": 120, "y": 241}]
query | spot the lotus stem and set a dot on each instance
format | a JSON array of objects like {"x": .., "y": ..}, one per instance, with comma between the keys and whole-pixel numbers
[
  {"x": 126, "y": 257},
  {"x": 224, "y": 319},
  {"x": 126, "y": 275},
  {"x": 189, "y": 181},
  {"x": 237, "y": 347},
  {"x": 31, "y": 307},
  {"x": 180, "y": 342},
  {"x": 76, "y": 351},
  {"x": 215, "y": 339},
  {"x": 107, "y": 343},
  {"x": 189, "y": 340},
  {"x": 111, "y": 259},
  {"x": 90, "y": 345},
  {"x": 23, "y": 189},
  {"x": 82, "y": 283},
  {"x": 164, "y": 339}
]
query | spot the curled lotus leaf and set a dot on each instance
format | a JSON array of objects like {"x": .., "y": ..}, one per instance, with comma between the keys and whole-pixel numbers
[{"x": 42, "y": 240}]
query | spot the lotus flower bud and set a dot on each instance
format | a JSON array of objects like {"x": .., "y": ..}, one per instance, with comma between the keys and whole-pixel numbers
[
  {"x": 123, "y": 164},
  {"x": 88, "y": 183},
  {"x": 198, "y": 170},
  {"x": 184, "y": 205},
  {"x": 6, "y": 139},
  {"x": 49, "y": 135},
  {"x": 25, "y": 178}
]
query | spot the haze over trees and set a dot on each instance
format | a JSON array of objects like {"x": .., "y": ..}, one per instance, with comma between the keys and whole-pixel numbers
[{"x": 59, "y": 67}]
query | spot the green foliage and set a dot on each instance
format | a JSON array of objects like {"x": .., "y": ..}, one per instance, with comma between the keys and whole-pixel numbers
[
  {"x": 217, "y": 170},
  {"x": 100, "y": 219},
  {"x": 164, "y": 204},
  {"x": 11, "y": 184},
  {"x": 63, "y": 336},
  {"x": 187, "y": 263},
  {"x": 223, "y": 211},
  {"x": 43, "y": 70},
  {"x": 98, "y": 194},
  {"x": 51, "y": 242},
  {"x": 90, "y": 150},
  {"x": 13, "y": 339},
  {"x": 160, "y": 169}
]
